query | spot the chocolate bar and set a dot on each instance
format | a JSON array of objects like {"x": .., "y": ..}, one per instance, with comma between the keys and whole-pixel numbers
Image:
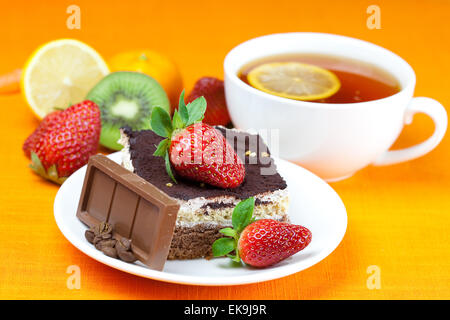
[{"x": 135, "y": 208}]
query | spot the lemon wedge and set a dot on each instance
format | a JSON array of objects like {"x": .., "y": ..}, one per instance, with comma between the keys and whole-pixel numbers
[
  {"x": 60, "y": 73},
  {"x": 294, "y": 80}
]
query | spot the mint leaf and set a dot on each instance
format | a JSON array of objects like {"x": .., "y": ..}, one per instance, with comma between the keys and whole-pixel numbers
[
  {"x": 184, "y": 114},
  {"x": 162, "y": 148},
  {"x": 242, "y": 214},
  {"x": 168, "y": 167},
  {"x": 196, "y": 110},
  {"x": 160, "y": 122},
  {"x": 229, "y": 232},
  {"x": 223, "y": 246},
  {"x": 242, "y": 217},
  {"x": 177, "y": 122}
]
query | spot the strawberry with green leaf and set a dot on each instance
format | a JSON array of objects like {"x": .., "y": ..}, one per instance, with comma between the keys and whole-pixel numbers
[
  {"x": 259, "y": 243},
  {"x": 64, "y": 141},
  {"x": 196, "y": 150}
]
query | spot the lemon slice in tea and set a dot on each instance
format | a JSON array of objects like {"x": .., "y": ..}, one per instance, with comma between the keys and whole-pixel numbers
[{"x": 294, "y": 80}]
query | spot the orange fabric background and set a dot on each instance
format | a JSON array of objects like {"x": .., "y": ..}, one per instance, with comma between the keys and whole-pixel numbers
[{"x": 398, "y": 216}]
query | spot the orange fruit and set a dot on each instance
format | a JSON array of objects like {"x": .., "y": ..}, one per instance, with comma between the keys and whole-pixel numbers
[{"x": 157, "y": 65}]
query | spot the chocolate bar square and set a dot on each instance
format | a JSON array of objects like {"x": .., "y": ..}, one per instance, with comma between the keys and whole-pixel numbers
[{"x": 135, "y": 208}]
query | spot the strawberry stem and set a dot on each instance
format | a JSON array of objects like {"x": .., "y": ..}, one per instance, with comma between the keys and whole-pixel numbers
[{"x": 51, "y": 174}]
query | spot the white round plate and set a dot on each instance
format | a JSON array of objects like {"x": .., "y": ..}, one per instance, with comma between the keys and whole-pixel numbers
[{"x": 313, "y": 204}]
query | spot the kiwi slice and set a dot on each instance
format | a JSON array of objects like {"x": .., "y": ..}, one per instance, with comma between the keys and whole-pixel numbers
[{"x": 126, "y": 99}]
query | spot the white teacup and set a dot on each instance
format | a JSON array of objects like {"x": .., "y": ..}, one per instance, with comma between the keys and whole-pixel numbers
[{"x": 331, "y": 140}]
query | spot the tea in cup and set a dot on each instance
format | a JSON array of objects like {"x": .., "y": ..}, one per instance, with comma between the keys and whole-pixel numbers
[{"x": 337, "y": 103}]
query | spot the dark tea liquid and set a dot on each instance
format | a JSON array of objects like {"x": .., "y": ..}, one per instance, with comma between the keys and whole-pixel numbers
[{"x": 360, "y": 81}]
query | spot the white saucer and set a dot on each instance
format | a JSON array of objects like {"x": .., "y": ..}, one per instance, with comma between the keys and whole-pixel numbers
[{"x": 313, "y": 204}]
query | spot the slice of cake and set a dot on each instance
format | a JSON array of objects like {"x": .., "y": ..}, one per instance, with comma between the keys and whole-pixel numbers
[{"x": 205, "y": 209}]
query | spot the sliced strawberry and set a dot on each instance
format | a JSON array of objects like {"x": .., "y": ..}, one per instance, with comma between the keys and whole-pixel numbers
[{"x": 213, "y": 91}]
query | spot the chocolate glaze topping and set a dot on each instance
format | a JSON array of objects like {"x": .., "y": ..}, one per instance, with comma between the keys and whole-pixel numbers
[{"x": 261, "y": 175}]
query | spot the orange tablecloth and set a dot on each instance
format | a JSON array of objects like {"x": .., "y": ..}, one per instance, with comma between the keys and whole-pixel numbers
[{"x": 398, "y": 216}]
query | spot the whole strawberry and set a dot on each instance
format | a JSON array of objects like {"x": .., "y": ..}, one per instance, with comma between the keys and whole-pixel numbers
[
  {"x": 194, "y": 149},
  {"x": 48, "y": 121},
  {"x": 201, "y": 153},
  {"x": 260, "y": 243},
  {"x": 267, "y": 241},
  {"x": 64, "y": 141},
  {"x": 213, "y": 91}
]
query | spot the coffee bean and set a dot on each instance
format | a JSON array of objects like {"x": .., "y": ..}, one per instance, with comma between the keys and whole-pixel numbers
[
  {"x": 125, "y": 243},
  {"x": 109, "y": 243},
  {"x": 110, "y": 252},
  {"x": 97, "y": 239},
  {"x": 106, "y": 236},
  {"x": 101, "y": 236},
  {"x": 105, "y": 227},
  {"x": 89, "y": 235},
  {"x": 105, "y": 243},
  {"x": 126, "y": 256}
]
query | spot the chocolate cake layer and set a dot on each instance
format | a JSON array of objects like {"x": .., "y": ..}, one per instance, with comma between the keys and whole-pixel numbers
[
  {"x": 250, "y": 148},
  {"x": 194, "y": 242}
]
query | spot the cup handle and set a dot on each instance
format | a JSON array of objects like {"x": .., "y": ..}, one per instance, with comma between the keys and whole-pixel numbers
[{"x": 437, "y": 113}]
